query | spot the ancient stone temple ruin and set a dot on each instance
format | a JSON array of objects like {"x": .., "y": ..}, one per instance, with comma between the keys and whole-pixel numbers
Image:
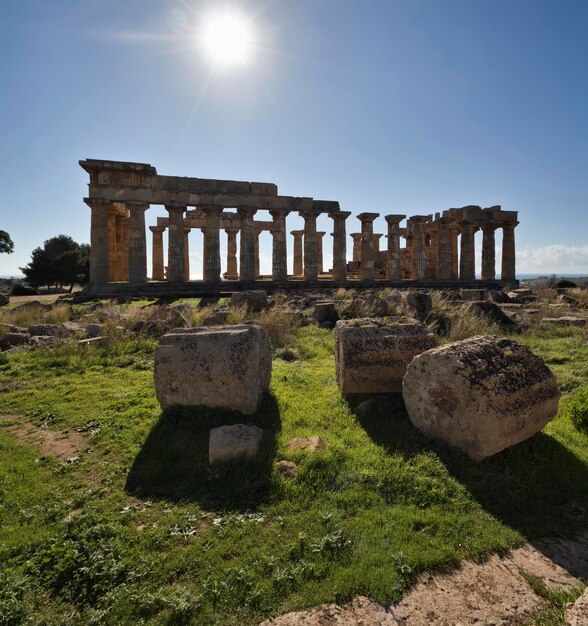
[{"x": 429, "y": 250}]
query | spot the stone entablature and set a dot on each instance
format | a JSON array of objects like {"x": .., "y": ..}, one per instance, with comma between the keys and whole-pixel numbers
[{"x": 438, "y": 250}]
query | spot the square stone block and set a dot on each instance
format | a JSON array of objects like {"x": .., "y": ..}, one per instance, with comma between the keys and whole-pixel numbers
[
  {"x": 371, "y": 355},
  {"x": 218, "y": 367}
]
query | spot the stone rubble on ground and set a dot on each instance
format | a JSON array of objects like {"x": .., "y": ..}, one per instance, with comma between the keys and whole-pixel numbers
[{"x": 234, "y": 443}]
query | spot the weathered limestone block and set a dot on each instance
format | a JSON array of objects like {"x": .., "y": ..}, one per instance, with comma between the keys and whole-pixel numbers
[
  {"x": 480, "y": 395},
  {"x": 325, "y": 312},
  {"x": 577, "y": 614},
  {"x": 48, "y": 330},
  {"x": 253, "y": 301},
  {"x": 420, "y": 304},
  {"x": 473, "y": 294},
  {"x": 230, "y": 444},
  {"x": 371, "y": 356},
  {"x": 11, "y": 340},
  {"x": 567, "y": 320},
  {"x": 492, "y": 313},
  {"x": 569, "y": 300},
  {"x": 4, "y": 299},
  {"x": 308, "y": 444},
  {"x": 225, "y": 367}
]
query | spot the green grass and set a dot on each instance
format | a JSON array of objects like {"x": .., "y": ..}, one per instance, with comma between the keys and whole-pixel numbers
[{"x": 139, "y": 530}]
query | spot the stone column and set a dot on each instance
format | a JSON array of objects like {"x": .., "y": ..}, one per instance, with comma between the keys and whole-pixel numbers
[
  {"x": 121, "y": 246},
  {"x": 431, "y": 254},
  {"x": 419, "y": 254},
  {"x": 212, "y": 262},
  {"x": 114, "y": 265},
  {"x": 256, "y": 233},
  {"x": 356, "y": 247},
  {"x": 247, "y": 263},
  {"x": 157, "y": 253},
  {"x": 319, "y": 251},
  {"x": 443, "y": 250},
  {"x": 99, "y": 249},
  {"x": 453, "y": 233},
  {"x": 298, "y": 266},
  {"x": 231, "y": 273},
  {"x": 467, "y": 259},
  {"x": 137, "y": 242},
  {"x": 279, "y": 250},
  {"x": 508, "y": 252},
  {"x": 377, "y": 237},
  {"x": 175, "y": 243},
  {"x": 310, "y": 245},
  {"x": 488, "y": 252},
  {"x": 339, "y": 244},
  {"x": 367, "y": 245},
  {"x": 187, "y": 230},
  {"x": 393, "y": 258}
]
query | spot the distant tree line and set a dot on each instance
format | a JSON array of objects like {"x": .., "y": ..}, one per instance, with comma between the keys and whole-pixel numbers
[{"x": 60, "y": 262}]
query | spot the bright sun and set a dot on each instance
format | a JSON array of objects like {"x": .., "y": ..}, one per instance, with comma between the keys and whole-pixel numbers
[{"x": 227, "y": 39}]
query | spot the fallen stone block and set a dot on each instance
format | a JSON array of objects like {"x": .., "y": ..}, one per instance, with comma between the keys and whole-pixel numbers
[
  {"x": 568, "y": 320},
  {"x": 4, "y": 298},
  {"x": 11, "y": 340},
  {"x": 481, "y": 395},
  {"x": 48, "y": 330},
  {"x": 577, "y": 614},
  {"x": 371, "y": 356},
  {"x": 254, "y": 301},
  {"x": 569, "y": 300},
  {"x": 419, "y": 304},
  {"x": 493, "y": 314},
  {"x": 226, "y": 367},
  {"x": 230, "y": 444},
  {"x": 474, "y": 295},
  {"x": 325, "y": 312},
  {"x": 308, "y": 444}
]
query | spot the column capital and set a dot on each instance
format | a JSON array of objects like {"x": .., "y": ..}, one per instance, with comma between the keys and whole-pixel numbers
[
  {"x": 339, "y": 215},
  {"x": 135, "y": 205},
  {"x": 212, "y": 209},
  {"x": 231, "y": 230},
  {"x": 356, "y": 235},
  {"x": 173, "y": 208},
  {"x": 394, "y": 219},
  {"x": 279, "y": 213},
  {"x": 98, "y": 203},
  {"x": 157, "y": 229},
  {"x": 508, "y": 225},
  {"x": 297, "y": 233},
  {"x": 309, "y": 214},
  {"x": 246, "y": 211},
  {"x": 367, "y": 217}
]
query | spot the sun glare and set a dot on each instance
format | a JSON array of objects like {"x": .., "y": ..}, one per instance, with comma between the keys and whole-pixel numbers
[{"x": 227, "y": 39}]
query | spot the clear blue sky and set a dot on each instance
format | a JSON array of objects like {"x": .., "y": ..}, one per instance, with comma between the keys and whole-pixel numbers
[{"x": 393, "y": 106}]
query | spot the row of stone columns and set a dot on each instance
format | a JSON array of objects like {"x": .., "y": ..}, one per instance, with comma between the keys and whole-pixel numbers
[{"x": 118, "y": 245}]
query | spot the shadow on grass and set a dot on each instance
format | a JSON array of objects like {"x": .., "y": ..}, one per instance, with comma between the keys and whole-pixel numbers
[
  {"x": 173, "y": 462},
  {"x": 538, "y": 487}
]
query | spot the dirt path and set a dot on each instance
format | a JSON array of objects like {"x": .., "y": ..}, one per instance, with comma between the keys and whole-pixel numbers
[
  {"x": 494, "y": 592},
  {"x": 60, "y": 444}
]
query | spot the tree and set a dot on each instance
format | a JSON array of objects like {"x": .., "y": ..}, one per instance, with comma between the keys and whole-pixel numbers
[
  {"x": 6, "y": 243},
  {"x": 61, "y": 261}
]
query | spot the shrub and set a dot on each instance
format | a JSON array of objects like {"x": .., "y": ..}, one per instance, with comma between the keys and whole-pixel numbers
[
  {"x": 578, "y": 410},
  {"x": 564, "y": 283}
]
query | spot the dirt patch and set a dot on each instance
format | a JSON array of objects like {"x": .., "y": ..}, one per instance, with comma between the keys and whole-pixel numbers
[
  {"x": 494, "y": 592},
  {"x": 60, "y": 444},
  {"x": 488, "y": 593},
  {"x": 360, "y": 611}
]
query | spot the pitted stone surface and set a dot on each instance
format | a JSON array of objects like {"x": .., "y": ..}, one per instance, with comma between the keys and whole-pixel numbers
[
  {"x": 254, "y": 300},
  {"x": 577, "y": 615},
  {"x": 371, "y": 355},
  {"x": 225, "y": 367},
  {"x": 238, "y": 442},
  {"x": 480, "y": 395}
]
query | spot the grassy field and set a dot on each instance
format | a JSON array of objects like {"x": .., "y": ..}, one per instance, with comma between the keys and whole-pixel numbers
[{"x": 137, "y": 529}]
